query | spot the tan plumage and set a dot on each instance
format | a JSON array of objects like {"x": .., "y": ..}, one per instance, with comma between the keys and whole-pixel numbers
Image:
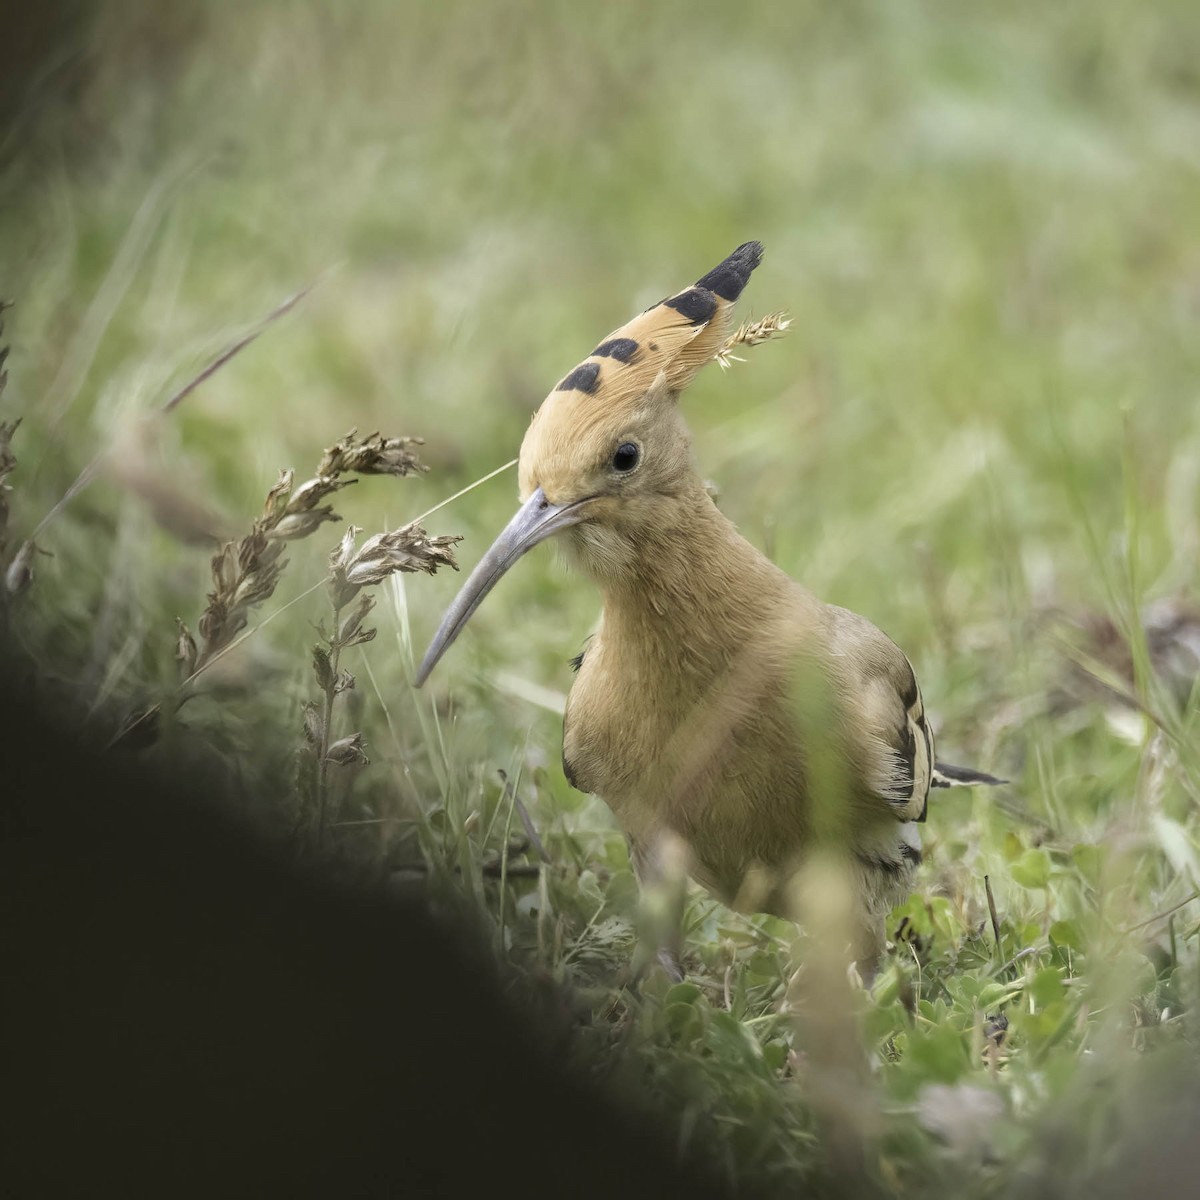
[{"x": 719, "y": 701}]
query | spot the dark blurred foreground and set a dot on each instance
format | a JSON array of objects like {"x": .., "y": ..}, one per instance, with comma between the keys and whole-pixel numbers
[{"x": 190, "y": 1015}]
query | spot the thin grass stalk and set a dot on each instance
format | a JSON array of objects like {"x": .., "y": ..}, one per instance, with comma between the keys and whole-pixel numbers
[
  {"x": 92, "y": 469},
  {"x": 351, "y": 569},
  {"x": 8, "y": 463}
]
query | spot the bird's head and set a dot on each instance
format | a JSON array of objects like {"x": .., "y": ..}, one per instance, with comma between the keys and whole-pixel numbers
[{"x": 607, "y": 452}]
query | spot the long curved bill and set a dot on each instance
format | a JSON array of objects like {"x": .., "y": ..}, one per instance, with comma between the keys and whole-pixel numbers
[{"x": 535, "y": 521}]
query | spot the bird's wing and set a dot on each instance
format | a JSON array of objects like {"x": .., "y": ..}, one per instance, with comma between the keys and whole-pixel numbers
[{"x": 884, "y": 708}]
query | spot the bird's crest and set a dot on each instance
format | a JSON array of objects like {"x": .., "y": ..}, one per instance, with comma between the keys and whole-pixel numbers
[{"x": 674, "y": 337}]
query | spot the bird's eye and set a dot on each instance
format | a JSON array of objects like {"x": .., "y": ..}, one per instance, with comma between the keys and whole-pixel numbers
[{"x": 626, "y": 457}]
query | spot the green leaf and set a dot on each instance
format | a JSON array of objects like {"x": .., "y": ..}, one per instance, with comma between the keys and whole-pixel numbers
[
  {"x": 1089, "y": 860},
  {"x": 730, "y": 1038},
  {"x": 1046, "y": 987},
  {"x": 775, "y": 1055},
  {"x": 589, "y": 886},
  {"x": 997, "y": 994},
  {"x": 880, "y": 1023},
  {"x": 1028, "y": 933},
  {"x": 683, "y": 993},
  {"x": 1043, "y": 1027},
  {"x": 1032, "y": 869},
  {"x": 941, "y": 1053},
  {"x": 1066, "y": 933},
  {"x": 946, "y": 920},
  {"x": 1178, "y": 847},
  {"x": 685, "y": 1012}
]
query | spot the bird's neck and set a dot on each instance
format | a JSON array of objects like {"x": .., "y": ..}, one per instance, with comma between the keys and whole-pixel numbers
[{"x": 695, "y": 591}]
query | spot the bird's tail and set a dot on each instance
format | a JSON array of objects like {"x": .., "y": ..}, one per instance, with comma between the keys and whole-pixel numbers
[{"x": 945, "y": 775}]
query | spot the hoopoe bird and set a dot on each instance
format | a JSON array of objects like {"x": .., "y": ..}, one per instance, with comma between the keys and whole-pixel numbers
[{"x": 720, "y": 703}]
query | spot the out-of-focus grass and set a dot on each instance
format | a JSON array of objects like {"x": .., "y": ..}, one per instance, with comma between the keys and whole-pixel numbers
[{"x": 985, "y": 222}]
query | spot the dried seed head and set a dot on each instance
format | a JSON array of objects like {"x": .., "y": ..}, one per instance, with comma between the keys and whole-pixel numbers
[
  {"x": 225, "y": 567},
  {"x": 751, "y": 333},
  {"x": 185, "y": 649},
  {"x": 8, "y": 460},
  {"x": 323, "y": 668},
  {"x": 348, "y": 750},
  {"x": 255, "y": 588},
  {"x": 341, "y": 592},
  {"x": 3, "y": 359},
  {"x": 246, "y": 572},
  {"x": 408, "y": 549},
  {"x": 312, "y": 490},
  {"x": 343, "y": 554},
  {"x": 211, "y": 619},
  {"x": 314, "y": 724},
  {"x": 373, "y": 455},
  {"x": 352, "y": 624},
  {"x": 20, "y": 571},
  {"x": 301, "y": 524},
  {"x": 277, "y": 498},
  {"x": 253, "y": 548}
]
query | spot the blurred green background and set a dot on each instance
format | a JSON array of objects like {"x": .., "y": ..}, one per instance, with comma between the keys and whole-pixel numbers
[
  {"x": 984, "y": 221},
  {"x": 982, "y": 431}
]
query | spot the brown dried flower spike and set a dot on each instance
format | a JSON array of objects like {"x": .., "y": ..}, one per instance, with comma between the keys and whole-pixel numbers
[
  {"x": 373, "y": 455},
  {"x": 246, "y": 572},
  {"x": 409, "y": 549}
]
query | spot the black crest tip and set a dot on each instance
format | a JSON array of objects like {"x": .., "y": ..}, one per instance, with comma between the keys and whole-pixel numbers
[
  {"x": 729, "y": 278},
  {"x": 697, "y": 304}
]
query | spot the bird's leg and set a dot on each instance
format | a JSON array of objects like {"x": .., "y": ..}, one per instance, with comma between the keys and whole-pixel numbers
[
  {"x": 662, "y": 885},
  {"x": 868, "y": 948},
  {"x": 669, "y": 961}
]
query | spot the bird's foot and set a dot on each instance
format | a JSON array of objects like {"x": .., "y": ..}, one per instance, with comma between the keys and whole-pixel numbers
[{"x": 669, "y": 961}]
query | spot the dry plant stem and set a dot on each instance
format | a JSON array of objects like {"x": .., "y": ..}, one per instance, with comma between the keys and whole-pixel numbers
[
  {"x": 92, "y": 469},
  {"x": 181, "y": 694},
  {"x": 488, "y": 870},
  {"x": 408, "y": 549},
  {"x": 991, "y": 900},
  {"x": 237, "y": 347},
  {"x": 512, "y": 462},
  {"x": 1170, "y": 912},
  {"x": 522, "y": 812},
  {"x": 335, "y": 658},
  {"x": 8, "y": 462},
  {"x": 18, "y": 575}
]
